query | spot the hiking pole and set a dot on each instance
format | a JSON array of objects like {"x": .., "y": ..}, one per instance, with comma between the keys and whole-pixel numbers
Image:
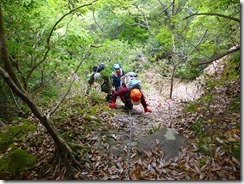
[{"x": 129, "y": 147}]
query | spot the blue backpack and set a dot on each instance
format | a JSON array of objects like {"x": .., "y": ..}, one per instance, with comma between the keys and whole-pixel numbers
[{"x": 131, "y": 81}]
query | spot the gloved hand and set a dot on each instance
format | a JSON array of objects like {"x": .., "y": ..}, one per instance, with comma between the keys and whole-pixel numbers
[
  {"x": 147, "y": 110},
  {"x": 112, "y": 105}
]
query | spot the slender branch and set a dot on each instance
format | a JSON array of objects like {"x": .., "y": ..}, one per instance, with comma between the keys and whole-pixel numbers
[
  {"x": 94, "y": 17},
  {"x": 199, "y": 42},
  {"x": 24, "y": 96},
  {"x": 50, "y": 34},
  {"x": 194, "y": 47},
  {"x": 67, "y": 25},
  {"x": 139, "y": 24},
  {"x": 220, "y": 56},
  {"x": 16, "y": 103},
  {"x": 166, "y": 7},
  {"x": 73, "y": 79},
  {"x": 4, "y": 55},
  {"x": 183, "y": 59},
  {"x": 214, "y": 14}
]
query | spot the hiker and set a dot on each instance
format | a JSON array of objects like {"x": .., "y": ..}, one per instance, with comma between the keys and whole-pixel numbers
[
  {"x": 116, "y": 75},
  {"x": 130, "y": 92},
  {"x": 96, "y": 75}
]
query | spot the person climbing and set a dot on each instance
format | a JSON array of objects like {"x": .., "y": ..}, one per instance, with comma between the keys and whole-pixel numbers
[
  {"x": 116, "y": 75},
  {"x": 130, "y": 93},
  {"x": 94, "y": 75}
]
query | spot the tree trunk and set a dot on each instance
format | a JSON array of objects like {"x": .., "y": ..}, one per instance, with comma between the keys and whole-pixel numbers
[
  {"x": 4, "y": 54},
  {"x": 9, "y": 76}
]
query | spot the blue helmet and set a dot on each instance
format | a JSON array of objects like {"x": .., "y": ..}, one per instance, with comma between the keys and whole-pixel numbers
[{"x": 116, "y": 66}]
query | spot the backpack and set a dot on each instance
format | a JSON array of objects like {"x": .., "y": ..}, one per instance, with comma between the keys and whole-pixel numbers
[
  {"x": 130, "y": 80},
  {"x": 99, "y": 67}
]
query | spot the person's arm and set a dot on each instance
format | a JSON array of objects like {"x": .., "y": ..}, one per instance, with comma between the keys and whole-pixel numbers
[{"x": 120, "y": 92}]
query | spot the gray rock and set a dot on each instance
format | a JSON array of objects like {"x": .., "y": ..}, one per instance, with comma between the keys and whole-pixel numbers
[{"x": 169, "y": 141}]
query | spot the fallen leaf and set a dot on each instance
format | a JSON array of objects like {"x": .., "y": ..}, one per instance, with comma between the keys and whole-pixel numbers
[
  {"x": 148, "y": 153},
  {"x": 157, "y": 141}
]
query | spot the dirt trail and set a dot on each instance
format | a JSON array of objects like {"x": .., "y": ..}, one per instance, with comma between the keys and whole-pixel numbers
[
  {"x": 158, "y": 129},
  {"x": 151, "y": 130}
]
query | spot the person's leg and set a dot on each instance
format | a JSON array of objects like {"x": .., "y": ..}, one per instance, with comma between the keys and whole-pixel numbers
[
  {"x": 128, "y": 104},
  {"x": 126, "y": 100}
]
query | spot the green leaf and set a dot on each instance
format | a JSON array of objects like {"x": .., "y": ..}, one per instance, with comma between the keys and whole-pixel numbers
[{"x": 13, "y": 164}]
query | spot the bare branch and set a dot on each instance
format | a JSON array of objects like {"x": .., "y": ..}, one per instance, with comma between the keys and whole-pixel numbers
[
  {"x": 195, "y": 47},
  {"x": 166, "y": 7},
  {"x": 214, "y": 14},
  {"x": 73, "y": 79},
  {"x": 183, "y": 59},
  {"x": 220, "y": 56},
  {"x": 50, "y": 34},
  {"x": 16, "y": 103},
  {"x": 4, "y": 55},
  {"x": 24, "y": 96},
  {"x": 94, "y": 17},
  {"x": 199, "y": 42}
]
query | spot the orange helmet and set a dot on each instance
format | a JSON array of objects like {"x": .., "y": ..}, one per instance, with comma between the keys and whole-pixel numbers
[{"x": 135, "y": 96}]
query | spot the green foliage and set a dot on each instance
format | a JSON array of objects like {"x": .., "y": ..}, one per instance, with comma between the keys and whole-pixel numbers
[
  {"x": 198, "y": 127},
  {"x": 154, "y": 129},
  {"x": 120, "y": 32},
  {"x": 13, "y": 164},
  {"x": 67, "y": 135},
  {"x": 95, "y": 94},
  {"x": 133, "y": 33},
  {"x": 188, "y": 71},
  {"x": 13, "y": 161},
  {"x": 10, "y": 134},
  {"x": 48, "y": 93},
  {"x": 165, "y": 37},
  {"x": 112, "y": 52},
  {"x": 204, "y": 144},
  {"x": 232, "y": 70}
]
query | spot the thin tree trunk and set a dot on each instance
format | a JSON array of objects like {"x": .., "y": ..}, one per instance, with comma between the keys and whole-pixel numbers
[
  {"x": 9, "y": 76},
  {"x": 4, "y": 54},
  {"x": 63, "y": 150}
]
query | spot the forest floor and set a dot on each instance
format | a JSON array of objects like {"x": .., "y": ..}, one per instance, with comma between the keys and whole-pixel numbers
[
  {"x": 154, "y": 135},
  {"x": 151, "y": 130},
  {"x": 163, "y": 145}
]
